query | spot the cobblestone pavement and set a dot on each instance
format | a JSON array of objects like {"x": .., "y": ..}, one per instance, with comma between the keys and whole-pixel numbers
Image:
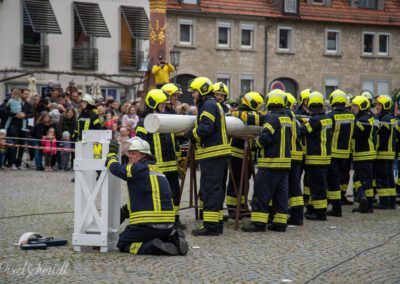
[{"x": 312, "y": 252}]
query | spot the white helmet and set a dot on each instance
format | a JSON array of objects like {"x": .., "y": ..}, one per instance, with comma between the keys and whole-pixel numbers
[
  {"x": 138, "y": 144},
  {"x": 88, "y": 98}
]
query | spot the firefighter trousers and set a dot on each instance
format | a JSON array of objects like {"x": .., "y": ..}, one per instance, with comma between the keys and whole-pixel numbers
[
  {"x": 363, "y": 178},
  {"x": 212, "y": 191},
  {"x": 296, "y": 201},
  {"x": 318, "y": 185},
  {"x": 385, "y": 185},
  {"x": 231, "y": 198},
  {"x": 173, "y": 180},
  {"x": 137, "y": 239},
  {"x": 270, "y": 184}
]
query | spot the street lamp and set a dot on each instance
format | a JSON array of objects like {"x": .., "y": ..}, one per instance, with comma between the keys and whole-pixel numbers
[{"x": 175, "y": 60}]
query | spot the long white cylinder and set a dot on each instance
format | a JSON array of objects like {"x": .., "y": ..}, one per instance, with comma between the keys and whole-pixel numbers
[{"x": 174, "y": 123}]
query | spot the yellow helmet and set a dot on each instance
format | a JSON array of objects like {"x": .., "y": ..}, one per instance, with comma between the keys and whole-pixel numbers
[
  {"x": 276, "y": 97},
  {"x": 155, "y": 97},
  {"x": 172, "y": 89},
  {"x": 304, "y": 95},
  {"x": 253, "y": 100},
  {"x": 291, "y": 100},
  {"x": 201, "y": 84},
  {"x": 385, "y": 101},
  {"x": 362, "y": 102},
  {"x": 221, "y": 88},
  {"x": 367, "y": 94},
  {"x": 338, "y": 97},
  {"x": 315, "y": 99}
]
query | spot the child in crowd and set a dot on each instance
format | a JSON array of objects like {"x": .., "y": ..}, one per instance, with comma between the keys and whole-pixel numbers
[
  {"x": 123, "y": 138},
  {"x": 3, "y": 149},
  {"x": 65, "y": 154},
  {"x": 49, "y": 144},
  {"x": 15, "y": 105}
]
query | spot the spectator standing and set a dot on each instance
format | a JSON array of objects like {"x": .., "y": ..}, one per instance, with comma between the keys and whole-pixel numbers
[
  {"x": 3, "y": 149},
  {"x": 130, "y": 120},
  {"x": 49, "y": 144},
  {"x": 161, "y": 71},
  {"x": 39, "y": 130},
  {"x": 65, "y": 154}
]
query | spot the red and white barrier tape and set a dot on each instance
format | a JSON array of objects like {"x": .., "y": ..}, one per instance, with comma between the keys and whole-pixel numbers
[{"x": 58, "y": 149}]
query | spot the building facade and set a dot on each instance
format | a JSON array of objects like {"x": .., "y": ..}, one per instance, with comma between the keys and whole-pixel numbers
[
  {"x": 259, "y": 45},
  {"x": 65, "y": 40}
]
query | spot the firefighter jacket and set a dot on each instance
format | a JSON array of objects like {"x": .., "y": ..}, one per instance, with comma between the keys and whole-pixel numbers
[
  {"x": 362, "y": 145},
  {"x": 149, "y": 194},
  {"x": 274, "y": 141},
  {"x": 164, "y": 147},
  {"x": 342, "y": 132},
  {"x": 318, "y": 135},
  {"x": 386, "y": 136},
  {"x": 250, "y": 117},
  {"x": 87, "y": 120},
  {"x": 209, "y": 131},
  {"x": 296, "y": 148},
  {"x": 299, "y": 113}
]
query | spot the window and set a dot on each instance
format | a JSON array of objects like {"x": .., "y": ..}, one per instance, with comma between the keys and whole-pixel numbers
[
  {"x": 383, "y": 88},
  {"x": 332, "y": 41},
  {"x": 186, "y": 32},
  {"x": 189, "y": 2},
  {"x": 290, "y": 6},
  {"x": 369, "y": 4},
  {"x": 285, "y": 39},
  {"x": 247, "y": 36},
  {"x": 383, "y": 44},
  {"x": 331, "y": 84},
  {"x": 368, "y": 85},
  {"x": 368, "y": 43},
  {"x": 246, "y": 84},
  {"x": 224, "y": 78},
  {"x": 224, "y": 34},
  {"x": 318, "y": 2}
]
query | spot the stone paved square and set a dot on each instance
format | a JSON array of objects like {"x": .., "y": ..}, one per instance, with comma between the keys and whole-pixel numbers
[{"x": 318, "y": 252}]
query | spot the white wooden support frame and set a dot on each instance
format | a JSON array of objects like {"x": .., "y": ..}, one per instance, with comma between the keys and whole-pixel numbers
[{"x": 93, "y": 226}]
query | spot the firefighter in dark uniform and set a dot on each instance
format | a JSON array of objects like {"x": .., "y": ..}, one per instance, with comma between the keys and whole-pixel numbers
[
  {"x": 212, "y": 152},
  {"x": 385, "y": 153},
  {"x": 174, "y": 91},
  {"x": 248, "y": 112},
  {"x": 296, "y": 201},
  {"x": 88, "y": 119},
  {"x": 221, "y": 93},
  {"x": 318, "y": 132},
  {"x": 150, "y": 208},
  {"x": 164, "y": 147},
  {"x": 302, "y": 111},
  {"x": 342, "y": 132},
  {"x": 363, "y": 152},
  {"x": 272, "y": 179}
]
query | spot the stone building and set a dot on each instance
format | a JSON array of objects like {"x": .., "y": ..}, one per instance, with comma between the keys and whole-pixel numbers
[{"x": 263, "y": 44}]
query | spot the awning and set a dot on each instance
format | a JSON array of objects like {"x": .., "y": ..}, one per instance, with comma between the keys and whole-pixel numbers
[
  {"x": 91, "y": 19},
  {"x": 137, "y": 21},
  {"x": 40, "y": 16}
]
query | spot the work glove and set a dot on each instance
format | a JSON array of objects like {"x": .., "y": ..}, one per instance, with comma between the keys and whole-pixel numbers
[{"x": 114, "y": 147}]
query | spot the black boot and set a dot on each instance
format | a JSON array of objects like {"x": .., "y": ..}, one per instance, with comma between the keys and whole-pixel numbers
[
  {"x": 161, "y": 248},
  {"x": 309, "y": 210},
  {"x": 295, "y": 221},
  {"x": 345, "y": 201},
  {"x": 317, "y": 215},
  {"x": 253, "y": 227},
  {"x": 276, "y": 227},
  {"x": 124, "y": 213},
  {"x": 204, "y": 232},
  {"x": 392, "y": 202},
  {"x": 177, "y": 237},
  {"x": 336, "y": 210}
]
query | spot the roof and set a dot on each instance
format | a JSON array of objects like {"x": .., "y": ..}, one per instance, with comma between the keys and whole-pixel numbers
[{"x": 339, "y": 12}]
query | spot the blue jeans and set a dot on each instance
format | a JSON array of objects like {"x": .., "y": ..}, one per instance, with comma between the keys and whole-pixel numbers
[
  {"x": 2, "y": 159},
  {"x": 38, "y": 155}
]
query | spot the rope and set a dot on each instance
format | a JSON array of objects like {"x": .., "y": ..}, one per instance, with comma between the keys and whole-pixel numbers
[
  {"x": 37, "y": 214},
  {"x": 58, "y": 149},
  {"x": 34, "y": 139}
]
